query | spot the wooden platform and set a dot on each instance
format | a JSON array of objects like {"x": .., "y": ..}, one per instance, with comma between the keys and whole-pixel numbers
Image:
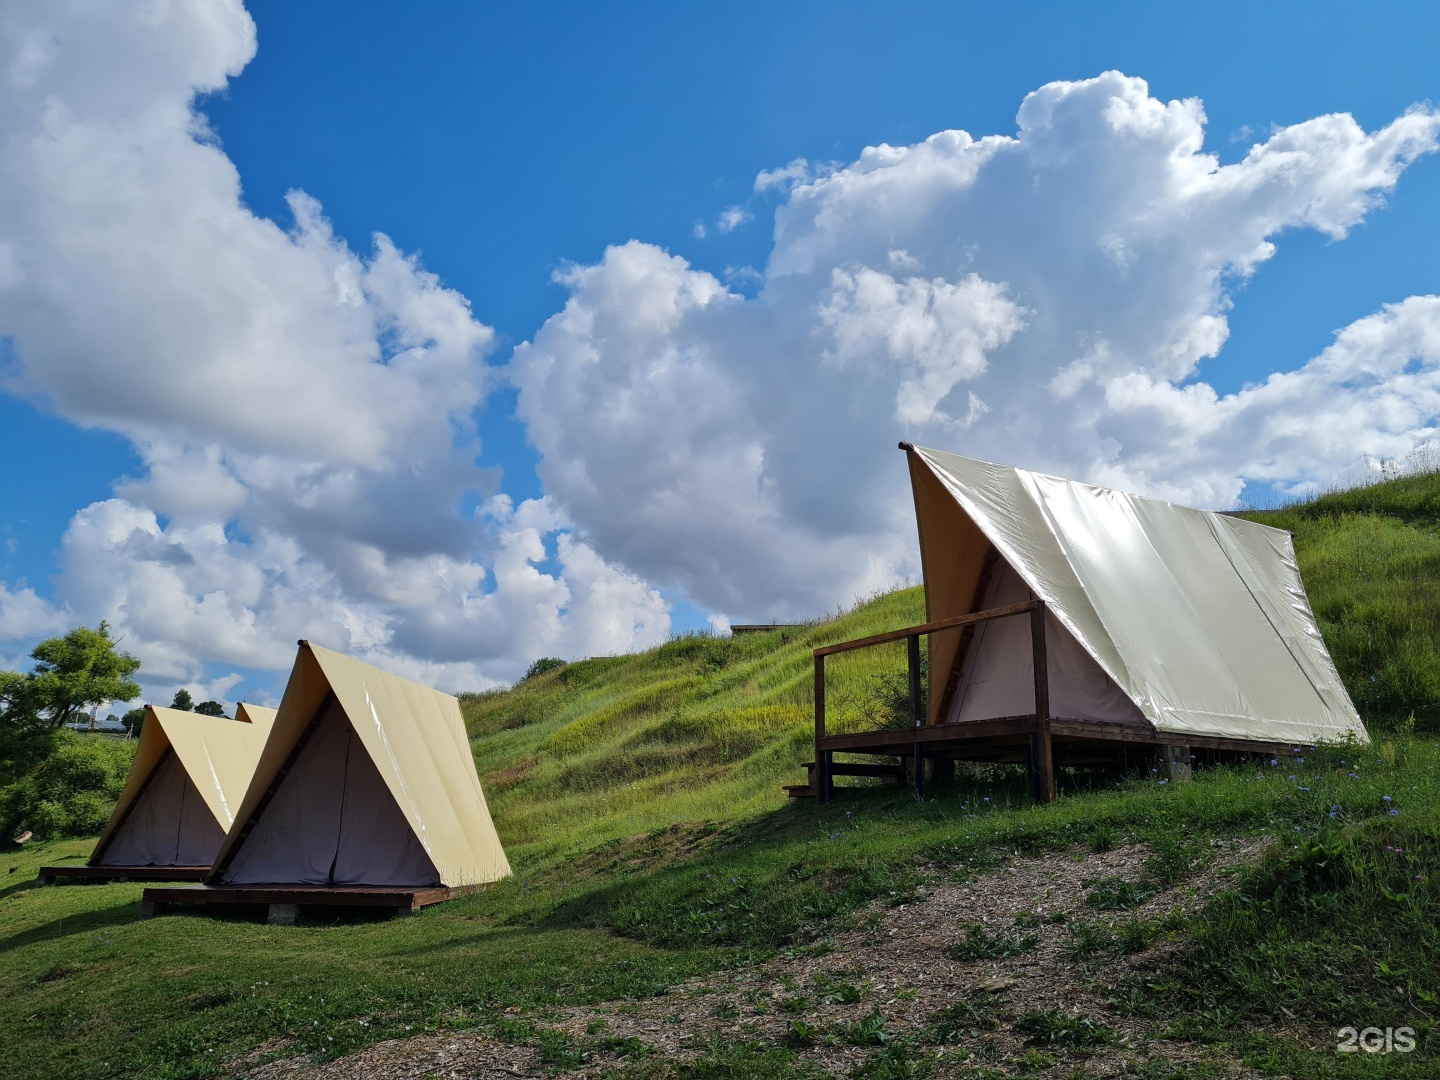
[
  {"x": 1008, "y": 740},
  {"x": 286, "y": 902},
  {"x": 1041, "y": 741},
  {"x": 99, "y": 875}
]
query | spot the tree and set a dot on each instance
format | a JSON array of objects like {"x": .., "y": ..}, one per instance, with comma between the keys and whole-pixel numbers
[
  {"x": 72, "y": 673},
  {"x": 210, "y": 708},
  {"x": 183, "y": 700}
]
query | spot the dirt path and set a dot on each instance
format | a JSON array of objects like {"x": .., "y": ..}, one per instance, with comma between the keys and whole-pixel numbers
[{"x": 895, "y": 976}]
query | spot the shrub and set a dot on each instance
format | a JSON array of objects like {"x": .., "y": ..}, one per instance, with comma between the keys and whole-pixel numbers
[
  {"x": 71, "y": 791},
  {"x": 543, "y": 666}
]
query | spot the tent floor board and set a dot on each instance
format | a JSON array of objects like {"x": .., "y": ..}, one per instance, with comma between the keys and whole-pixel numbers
[
  {"x": 99, "y": 875},
  {"x": 287, "y": 901}
]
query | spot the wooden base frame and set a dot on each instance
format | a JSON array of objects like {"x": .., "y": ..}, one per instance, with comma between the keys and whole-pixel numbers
[
  {"x": 99, "y": 875},
  {"x": 1039, "y": 741},
  {"x": 1010, "y": 740},
  {"x": 286, "y": 902}
]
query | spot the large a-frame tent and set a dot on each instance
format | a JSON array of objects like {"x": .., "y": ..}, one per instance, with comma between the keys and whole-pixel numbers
[
  {"x": 187, "y": 779},
  {"x": 1189, "y": 623},
  {"x": 366, "y": 794},
  {"x": 1076, "y": 625}
]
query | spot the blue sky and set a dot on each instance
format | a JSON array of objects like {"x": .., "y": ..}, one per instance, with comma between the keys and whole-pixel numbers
[{"x": 503, "y": 144}]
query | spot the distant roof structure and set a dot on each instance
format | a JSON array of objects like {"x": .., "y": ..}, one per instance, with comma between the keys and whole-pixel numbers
[{"x": 1193, "y": 622}]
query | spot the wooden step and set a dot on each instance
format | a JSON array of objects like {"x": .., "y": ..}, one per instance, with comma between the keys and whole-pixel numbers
[{"x": 862, "y": 768}]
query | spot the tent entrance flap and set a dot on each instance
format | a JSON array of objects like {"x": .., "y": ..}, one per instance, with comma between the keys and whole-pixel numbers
[
  {"x": 332, "y": 820},
  {"x": 169, "y": 823},
  {"x": 998, "y": 674}
]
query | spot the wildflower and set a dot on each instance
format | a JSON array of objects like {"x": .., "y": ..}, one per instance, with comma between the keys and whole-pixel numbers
[
  {"x": 1163, "y": 781},
  {"x": 1394, "y": 813},
  {"x": 1274, "y": 762},
  {"x": 987, "y": 798},
  {"x": 1290, "y": 778},
  {"x": 1354, "y": 776},
  {"x": 1385, "y": 798},
  {"x": 1304, "y": 789}
]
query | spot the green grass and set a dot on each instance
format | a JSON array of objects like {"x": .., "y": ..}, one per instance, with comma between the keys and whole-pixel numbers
[
  {"x": 639, "y": 798},
  {"x": 701, "y": 728},
  {"x": 84, "y": 981}
]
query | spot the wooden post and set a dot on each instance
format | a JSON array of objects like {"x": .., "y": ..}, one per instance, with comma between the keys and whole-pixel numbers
[
  {"x": 822, "y": 757},
  {"x": 917, "y": 716},
  {"x": 1044, "y": 761}
]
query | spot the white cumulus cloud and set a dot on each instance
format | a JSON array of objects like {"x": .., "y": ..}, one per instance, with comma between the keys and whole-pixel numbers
[
  {"x": 1048, "y": 298},
  {"x": 304, "y": 412}
]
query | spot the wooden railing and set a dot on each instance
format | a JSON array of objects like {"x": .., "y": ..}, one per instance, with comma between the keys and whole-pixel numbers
[{"x": 911, "y": 635}]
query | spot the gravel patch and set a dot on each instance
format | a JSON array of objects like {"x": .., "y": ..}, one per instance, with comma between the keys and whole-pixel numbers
[{"x": 989, "y": 950}]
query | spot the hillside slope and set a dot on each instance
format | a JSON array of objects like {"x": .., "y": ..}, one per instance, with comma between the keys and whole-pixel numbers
[
  {"x": 700, "y": 728},
  {"x": 706, "y": 728}
]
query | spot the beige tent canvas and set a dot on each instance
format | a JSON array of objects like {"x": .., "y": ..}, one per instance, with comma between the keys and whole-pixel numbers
[
  {"x": 367, "y": 781},
  {"x": 188, "y": 777},
  {"x": 1189, "y": 624}
]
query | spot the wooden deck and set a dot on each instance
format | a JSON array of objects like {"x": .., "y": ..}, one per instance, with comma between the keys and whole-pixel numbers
[
  {"x": 98, "y": 875},
  {"x": 286, "y": 902},
  {"x": 1040, "y": 741}
]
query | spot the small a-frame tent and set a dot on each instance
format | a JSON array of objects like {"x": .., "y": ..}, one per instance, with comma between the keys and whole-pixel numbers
[
  {"x": 367, "y": 782},
  {"x": 186, "y": 781},
  {"x": 1183, "y": 625}
]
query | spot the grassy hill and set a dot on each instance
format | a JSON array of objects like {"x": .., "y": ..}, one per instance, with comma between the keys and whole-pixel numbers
[
  {"x": 1224, "y": 927},
  {"x": 700, "y": 728}
]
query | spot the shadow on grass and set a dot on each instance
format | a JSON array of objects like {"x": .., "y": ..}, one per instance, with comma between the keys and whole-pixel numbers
[
  {"x": 23, "y": 885},
  {"x": 68, "y": 925}
]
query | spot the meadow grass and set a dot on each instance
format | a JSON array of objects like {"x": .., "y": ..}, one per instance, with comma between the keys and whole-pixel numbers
[
  {"x": 639, "y": 798},
  {"x": 1330, "y": 927}
]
